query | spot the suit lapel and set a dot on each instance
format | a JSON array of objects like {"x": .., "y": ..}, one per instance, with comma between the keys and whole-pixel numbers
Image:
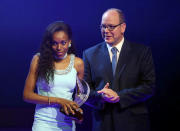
[
  {"x": 121, "y": 65},
  {"x": 123, "y": 60},
  {"x": 105, "y": 60}
]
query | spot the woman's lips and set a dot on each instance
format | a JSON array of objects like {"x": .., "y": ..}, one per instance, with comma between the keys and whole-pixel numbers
[{"x": 59, "y": 53}]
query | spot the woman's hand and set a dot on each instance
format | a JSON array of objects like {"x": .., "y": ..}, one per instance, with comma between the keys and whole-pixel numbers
[{"x": 69, "y": 107}]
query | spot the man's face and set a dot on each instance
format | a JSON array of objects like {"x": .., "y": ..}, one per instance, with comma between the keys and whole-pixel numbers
[{"x": 111, "y": 28}]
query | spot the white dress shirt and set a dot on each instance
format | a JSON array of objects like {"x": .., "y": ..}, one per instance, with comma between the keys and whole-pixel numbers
[{"x": 118, "y": 46}]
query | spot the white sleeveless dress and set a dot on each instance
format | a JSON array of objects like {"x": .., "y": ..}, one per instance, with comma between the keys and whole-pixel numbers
[{"x": 48, "y": 117}]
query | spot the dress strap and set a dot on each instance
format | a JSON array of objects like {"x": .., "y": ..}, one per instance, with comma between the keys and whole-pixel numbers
[
  {"x": 72, "y": 60},
  {"x": 38, "y": 54}
]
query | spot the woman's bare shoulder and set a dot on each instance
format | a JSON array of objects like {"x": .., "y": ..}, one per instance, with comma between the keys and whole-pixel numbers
[
  {"x": 34, "y": 61},
  {"x": 78, "y": 61}
]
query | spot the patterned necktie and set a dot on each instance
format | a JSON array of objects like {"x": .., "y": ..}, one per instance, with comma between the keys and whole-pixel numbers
[{"x": 114, "y": 59}]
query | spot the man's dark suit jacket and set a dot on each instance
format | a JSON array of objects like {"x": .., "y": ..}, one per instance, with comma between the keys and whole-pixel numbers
[{"x": 134, "y": 82}]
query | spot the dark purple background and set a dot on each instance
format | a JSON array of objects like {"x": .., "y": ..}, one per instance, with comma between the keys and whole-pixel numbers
[{"x": 151, "y": 22}]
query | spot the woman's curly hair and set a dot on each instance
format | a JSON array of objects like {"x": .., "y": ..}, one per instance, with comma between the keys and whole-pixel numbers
[{"x": 45, "y": 69}]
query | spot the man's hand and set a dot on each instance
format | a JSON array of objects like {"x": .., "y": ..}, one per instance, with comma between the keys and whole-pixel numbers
[{"x": 109, "y": 95}]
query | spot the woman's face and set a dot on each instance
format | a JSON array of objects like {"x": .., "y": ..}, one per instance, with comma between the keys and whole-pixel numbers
[{"x": 60, "y": 44}]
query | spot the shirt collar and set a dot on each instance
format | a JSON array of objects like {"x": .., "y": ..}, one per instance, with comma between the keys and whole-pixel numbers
[{"x": 118, "y": 46}]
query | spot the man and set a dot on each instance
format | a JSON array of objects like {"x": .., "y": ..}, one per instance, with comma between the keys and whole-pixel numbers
[{"x": 121, "y": 78}]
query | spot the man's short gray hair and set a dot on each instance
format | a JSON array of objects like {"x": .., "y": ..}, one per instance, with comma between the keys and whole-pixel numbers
[{"x": 120, "y": 13}]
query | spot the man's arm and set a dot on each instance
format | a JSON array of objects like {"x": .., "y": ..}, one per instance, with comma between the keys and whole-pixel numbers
[{"x": 95, "y": 99}]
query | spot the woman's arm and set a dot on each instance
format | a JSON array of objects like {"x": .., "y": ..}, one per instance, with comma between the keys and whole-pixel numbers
[{"x": 30, "y": 96}]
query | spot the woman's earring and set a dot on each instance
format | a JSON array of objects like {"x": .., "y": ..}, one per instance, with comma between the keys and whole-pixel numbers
[{"x": 69, "y": 44}]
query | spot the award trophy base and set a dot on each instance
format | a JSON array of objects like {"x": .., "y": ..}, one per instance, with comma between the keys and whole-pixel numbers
[{"x": 78, "y": 116}]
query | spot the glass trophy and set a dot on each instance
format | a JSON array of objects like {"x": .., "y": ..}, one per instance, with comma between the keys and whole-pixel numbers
[
  {"x": 82, "y": 91},
  {"x": 81, "y": 95}
]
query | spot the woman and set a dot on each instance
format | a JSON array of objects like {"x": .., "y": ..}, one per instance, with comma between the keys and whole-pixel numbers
[{"x": 53, "y": 70}]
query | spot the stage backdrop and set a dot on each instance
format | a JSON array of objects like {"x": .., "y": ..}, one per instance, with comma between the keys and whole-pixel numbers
[{"x": 22, "y": 24}]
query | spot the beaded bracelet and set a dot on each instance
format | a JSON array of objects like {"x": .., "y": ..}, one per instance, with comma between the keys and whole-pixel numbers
[{"x": 49, "y": 102}]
